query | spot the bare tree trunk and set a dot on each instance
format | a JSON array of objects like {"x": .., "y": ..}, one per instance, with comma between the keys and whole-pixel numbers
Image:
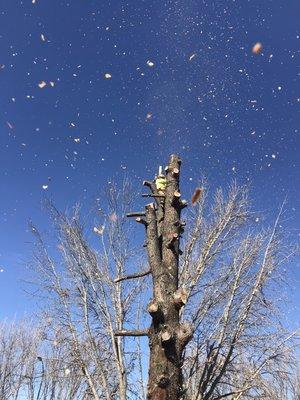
[{"x": 167, "y": 337}]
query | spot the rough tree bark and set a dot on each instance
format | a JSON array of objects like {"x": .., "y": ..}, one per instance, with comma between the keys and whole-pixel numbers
[{"x": 167, "y": 336}]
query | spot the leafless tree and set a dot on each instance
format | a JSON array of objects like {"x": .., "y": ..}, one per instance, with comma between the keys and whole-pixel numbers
[
  {"x": 86, "y": 303},
  {"x": 17, "y": 350},
  {"x": 214, "y": 302},
  {"x": 34, "y": 368},
  {"x": 232, "y": 275}
]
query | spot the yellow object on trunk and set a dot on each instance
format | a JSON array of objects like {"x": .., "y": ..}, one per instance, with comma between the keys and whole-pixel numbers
[{"x": 161, "y": 183}]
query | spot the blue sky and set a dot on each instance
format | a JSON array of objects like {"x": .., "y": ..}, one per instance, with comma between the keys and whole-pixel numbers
[{"x": 182, "y": 78}]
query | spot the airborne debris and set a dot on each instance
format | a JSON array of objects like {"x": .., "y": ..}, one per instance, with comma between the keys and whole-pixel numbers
[
  {"x": 9, "y": 125},
  {"x": 257, "y": 48},
  {"x": 113, "y": 217},
  {"x": 150, "y": 63},
  {"x": 77, "y": 140},
  {"x": 43, "y": 37},
  {"x": 45, "y": 187},
  {"x": 100, "y": 230},
  {"x": 192, "y": 56},
  {"x": 149, "y": 116},
  {"x": 107, "y": 75},
  {"x": 196, "y": 196},
  {"x": 42, "y": 84},
  {"x": 52, "y": 83}
]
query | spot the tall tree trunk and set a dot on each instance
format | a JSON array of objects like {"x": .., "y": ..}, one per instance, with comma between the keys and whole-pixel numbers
[{"x": 167, "y": 336}]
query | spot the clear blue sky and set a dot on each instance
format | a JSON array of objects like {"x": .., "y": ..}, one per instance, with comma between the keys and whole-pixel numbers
[{"x": 182, "y": 78}]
